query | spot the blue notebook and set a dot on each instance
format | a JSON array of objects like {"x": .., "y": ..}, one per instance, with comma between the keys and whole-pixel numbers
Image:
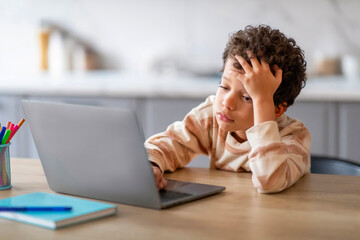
[{"x": 82, "y": 210}]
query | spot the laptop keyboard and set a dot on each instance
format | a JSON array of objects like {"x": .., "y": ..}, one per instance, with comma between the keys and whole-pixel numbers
[{"x": 168, "y": 195}]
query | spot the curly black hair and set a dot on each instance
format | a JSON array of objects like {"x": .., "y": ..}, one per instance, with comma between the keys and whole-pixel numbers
[{"x": 273, "y": 47}]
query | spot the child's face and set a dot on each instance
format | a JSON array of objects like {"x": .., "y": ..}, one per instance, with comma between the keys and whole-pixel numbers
[{"x": 233, "y": 105}]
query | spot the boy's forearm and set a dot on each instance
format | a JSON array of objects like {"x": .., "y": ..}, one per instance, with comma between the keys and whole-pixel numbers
[{"x": 264, "y": 110}]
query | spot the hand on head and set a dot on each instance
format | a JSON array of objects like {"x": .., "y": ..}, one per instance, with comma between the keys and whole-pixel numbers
[{"x": 258, "y": 79}]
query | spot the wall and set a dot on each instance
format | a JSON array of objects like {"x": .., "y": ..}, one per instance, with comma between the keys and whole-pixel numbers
[{"x": 131, "y": 34}]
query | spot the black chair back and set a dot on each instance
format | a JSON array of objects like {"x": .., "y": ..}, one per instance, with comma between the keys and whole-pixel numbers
[{"x": 334, "y": 165}]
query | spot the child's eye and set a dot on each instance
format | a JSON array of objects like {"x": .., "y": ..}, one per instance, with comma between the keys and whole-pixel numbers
[
  {"x": 223, "y": 87},
  {"x": 247, "y": 99}
]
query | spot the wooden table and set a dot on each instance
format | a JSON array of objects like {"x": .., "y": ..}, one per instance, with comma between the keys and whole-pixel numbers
[{"x": 317, "y": 207}]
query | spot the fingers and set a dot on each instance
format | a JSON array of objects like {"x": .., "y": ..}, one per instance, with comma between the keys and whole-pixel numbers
[
  {"x": 160, "y": 181},
  {"x": 163, "y": 183},
  {"x": 255, "y": 64},
  {"x": 265, "y": 65},
  {"x": 245, "y": 65},
  {"x": 254, "y": 61}
]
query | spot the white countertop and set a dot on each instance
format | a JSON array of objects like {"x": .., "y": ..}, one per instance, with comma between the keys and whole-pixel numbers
[{"x": 115, "y": 84}]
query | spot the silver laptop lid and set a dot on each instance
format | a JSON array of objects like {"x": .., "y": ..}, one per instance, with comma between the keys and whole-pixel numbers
[{"x": 87, "y": 151}]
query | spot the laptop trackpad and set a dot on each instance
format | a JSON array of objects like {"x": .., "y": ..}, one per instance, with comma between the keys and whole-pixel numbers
[
  {"x": 173, "y": 191},
  {"x": 175, "y": 185},
  {"x": 177, "y": 192}
]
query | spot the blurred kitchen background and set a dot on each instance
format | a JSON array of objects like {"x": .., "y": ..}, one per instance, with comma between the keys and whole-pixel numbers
[
  {"x": 160, "y": 55},
  {"x": 158, "y": 35}
]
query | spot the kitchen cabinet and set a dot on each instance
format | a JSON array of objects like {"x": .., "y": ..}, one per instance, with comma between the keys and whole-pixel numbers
[
  {"x": 349, "y": 131},
  {"x": 161, "y": 112},
  {"x": 321, "y": 120}
]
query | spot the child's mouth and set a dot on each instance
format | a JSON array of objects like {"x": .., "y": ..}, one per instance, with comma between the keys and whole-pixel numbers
[{"x": 224, "y": 117}]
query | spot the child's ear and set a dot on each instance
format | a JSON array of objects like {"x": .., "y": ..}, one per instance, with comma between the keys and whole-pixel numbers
[{"x": 280, "y": 109}]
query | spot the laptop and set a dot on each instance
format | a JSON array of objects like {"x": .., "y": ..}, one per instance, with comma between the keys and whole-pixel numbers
[{"x": 99, "y": 153}]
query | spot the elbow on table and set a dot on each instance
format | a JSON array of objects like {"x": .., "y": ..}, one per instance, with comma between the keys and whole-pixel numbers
[
  {"x": 282, "y": 178},
  {"x": 269, "y": 185},
  {"x": 270, "y": 190}
]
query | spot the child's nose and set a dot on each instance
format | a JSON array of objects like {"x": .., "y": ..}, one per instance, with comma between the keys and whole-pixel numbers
[{"x": 229, "y": 101}]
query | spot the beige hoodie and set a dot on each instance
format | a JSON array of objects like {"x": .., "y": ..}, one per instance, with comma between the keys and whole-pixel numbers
[{"x": 276, "y": 152}]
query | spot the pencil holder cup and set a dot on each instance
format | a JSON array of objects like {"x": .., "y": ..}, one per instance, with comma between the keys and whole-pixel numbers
[{"x": 5, "y": 174}]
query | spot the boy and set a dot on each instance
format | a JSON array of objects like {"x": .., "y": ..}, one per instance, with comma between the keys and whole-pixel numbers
[{"x": 243, "y": 127}]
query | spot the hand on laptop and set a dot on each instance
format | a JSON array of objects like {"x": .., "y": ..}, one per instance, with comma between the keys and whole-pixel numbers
[{"x": 159, "y": 178}]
